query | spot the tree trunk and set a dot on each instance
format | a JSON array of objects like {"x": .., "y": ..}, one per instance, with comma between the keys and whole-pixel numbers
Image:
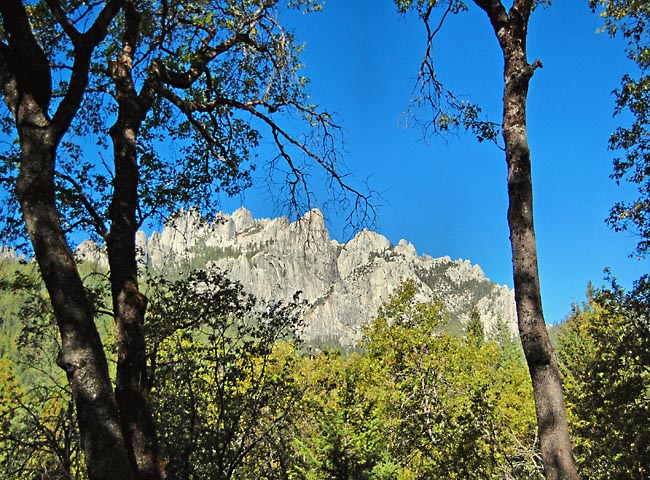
[
  {"x": 129, "y": 304},
  {"x": 555, "y": 442},
  {"x": 25, "y": 79},
  {"x": 552, "y": 423},
  {"x": 82, "y": 354}
]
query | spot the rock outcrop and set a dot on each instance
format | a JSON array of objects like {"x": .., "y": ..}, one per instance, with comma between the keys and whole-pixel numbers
[{"x": 345, "y": 283}]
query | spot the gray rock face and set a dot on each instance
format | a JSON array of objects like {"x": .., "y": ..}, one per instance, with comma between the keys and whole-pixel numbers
[
  {"x": 9, "y": 254},
  {"x": 345, "y": 283}
]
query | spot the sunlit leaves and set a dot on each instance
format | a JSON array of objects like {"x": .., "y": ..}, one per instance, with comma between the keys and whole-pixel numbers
[
  {"x": 459, "y": 406},
  {"x": 606, "y": 366},
  {"x": 221, "y": 368},
  {"x": 418, "y": 403},
  {"x": 629, "y": 18}
]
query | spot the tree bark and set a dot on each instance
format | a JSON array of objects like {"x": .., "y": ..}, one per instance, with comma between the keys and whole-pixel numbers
[
  {"x": 555, "y": 442},
  {"x": 25, "y": 80},
  {"x": 82, "y": 355},
  {"x": 129, "y": 304}
]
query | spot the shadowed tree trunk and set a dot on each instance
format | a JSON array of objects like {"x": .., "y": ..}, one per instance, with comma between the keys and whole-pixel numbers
[
  {"x": 26, "y": 82},
  {"x": 129, "y": 304},
  {"x": 511, "y": 30}
]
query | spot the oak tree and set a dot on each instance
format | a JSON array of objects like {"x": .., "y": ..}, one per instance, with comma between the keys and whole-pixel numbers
[{"x": 133, "y": 75}]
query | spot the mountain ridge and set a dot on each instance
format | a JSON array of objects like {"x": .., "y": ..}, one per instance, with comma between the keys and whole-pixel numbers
[{"x": 345, "y": 283}]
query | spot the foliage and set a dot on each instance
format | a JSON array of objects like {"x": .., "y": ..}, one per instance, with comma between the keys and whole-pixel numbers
[
  {"x": 629, "y": 18},
  {"x": 418, "y": 403},
  {"x": 236, "y": 396},
  {"x": 38, "y": 438},
  {"x": 223, "y": 388},
  {"x": 475, "y": 330},
  {"x": 509, "y": 24},
  {"x": 604, "y": 353},
  {"x": 223, "y": 77},
  {"x": 209, "y": 75},
  {"x": 459, "y": 406},
  {"x": 345, "y": 436},
  {"x": 221, "y": 368}
]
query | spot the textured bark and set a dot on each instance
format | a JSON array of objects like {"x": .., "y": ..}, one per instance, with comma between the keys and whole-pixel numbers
[
  {"x": 555, "y": 442},
  {"x": 82, "y": 355},
  {"x": 129, "y": 304},
  {"x": 26, "y": 84}
]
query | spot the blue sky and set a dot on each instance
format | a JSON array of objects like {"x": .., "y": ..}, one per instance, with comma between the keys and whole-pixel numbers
[{"x": 447, "y": 196}]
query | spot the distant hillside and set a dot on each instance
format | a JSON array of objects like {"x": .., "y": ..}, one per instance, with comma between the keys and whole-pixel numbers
[{"x": 344, "y": 282}]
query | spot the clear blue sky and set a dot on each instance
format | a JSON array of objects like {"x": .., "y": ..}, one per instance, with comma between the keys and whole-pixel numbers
[{"x": 448, "y": 196}]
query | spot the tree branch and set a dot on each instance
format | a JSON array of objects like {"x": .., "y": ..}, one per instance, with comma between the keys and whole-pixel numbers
[
  {"x": 186, "y": 79},
  {"x": 24, "y": 59},
  {"x": 188, "y": 108},
  {"x": 497, "y": 14},
  {"x": 521, "y": 9},
  {"x": 83, "y": 50},
  {"x": 98, "y": 223},
  {"x": 65, "y": 23}
]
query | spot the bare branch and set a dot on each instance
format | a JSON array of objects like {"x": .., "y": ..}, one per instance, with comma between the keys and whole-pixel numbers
[
  {"x": 188, "y": 108},
  {"x": 97, "y": 222},
  {"x": 361, "y": 200},
  {"x": 65, "y": 23},
  {"x": 447, "y": 111}
]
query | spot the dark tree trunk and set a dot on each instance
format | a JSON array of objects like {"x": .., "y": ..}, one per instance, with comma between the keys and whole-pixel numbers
[
  {"x": 82, "y": 354},
  {"x": 25, "y": 80},
  {"x": 129, "y": 304},
  {"x": 26, "y": 83},
  {"x": 511, "y": 30}
]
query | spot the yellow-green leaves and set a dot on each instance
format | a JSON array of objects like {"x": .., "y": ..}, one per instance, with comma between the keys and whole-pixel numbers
[
  {"x": 417, "y": 402},
  {"x": 606, "y": 368}
]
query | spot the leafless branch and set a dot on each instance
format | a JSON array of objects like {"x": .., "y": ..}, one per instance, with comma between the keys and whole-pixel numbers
[
  {"x": 188, "y": 108},
  {"x": 97, "y": 221},
  {"x": 444, "y": 111}
]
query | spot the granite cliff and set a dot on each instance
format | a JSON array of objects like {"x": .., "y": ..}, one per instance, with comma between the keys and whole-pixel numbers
[{"x": 345, "y": 283}]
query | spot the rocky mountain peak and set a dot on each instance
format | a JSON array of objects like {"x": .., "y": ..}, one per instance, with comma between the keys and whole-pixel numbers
[
  {"x": 242, "y": 219},
  {"x": 345, "y": 283}
]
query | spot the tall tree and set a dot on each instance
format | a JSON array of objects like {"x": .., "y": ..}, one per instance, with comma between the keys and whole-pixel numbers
[
  {"x": 210, "y": 68},
  {"x": 26, "y": 81},
  {"x": 198, "y": 72},
  {"x": 511, "y": 29}
]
